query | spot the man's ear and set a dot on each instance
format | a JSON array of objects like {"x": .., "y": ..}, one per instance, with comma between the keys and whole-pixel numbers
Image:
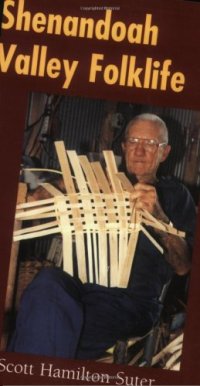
[
  {"x": 166, "y": 152},
  {"x": 123, "y": 146}
]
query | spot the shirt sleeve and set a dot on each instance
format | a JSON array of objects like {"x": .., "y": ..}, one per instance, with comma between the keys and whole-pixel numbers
[{"x": 179, "y": 206}]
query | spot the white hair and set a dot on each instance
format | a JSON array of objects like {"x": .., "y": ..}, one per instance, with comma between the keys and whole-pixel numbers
[{"x": 152, "y": 118}]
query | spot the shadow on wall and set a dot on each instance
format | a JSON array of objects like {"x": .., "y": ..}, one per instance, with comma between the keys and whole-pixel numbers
[{"x": 178, "y": 147}]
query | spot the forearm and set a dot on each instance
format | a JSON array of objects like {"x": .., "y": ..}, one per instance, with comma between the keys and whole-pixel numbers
[
  {"x": 177, "y": 252},
  {"x": 176, "y": 249}
]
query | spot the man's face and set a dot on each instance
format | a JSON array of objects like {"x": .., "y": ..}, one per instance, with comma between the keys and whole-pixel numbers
[{"x": 141, "y": 160}]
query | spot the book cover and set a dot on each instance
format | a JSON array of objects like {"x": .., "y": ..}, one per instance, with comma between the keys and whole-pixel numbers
[{"x": 78, "y": 72}]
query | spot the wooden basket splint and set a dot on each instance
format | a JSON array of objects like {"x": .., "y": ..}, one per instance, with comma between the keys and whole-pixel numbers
[{"x": 96, "y": 218}]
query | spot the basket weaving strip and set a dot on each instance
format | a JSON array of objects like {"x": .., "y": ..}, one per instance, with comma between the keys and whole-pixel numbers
[
  {"x": 89, "y": 217},
  {"x": 117, "y": 188},
  {"x": 70, "y": 188},
  {"x": 100, "y": 222}
]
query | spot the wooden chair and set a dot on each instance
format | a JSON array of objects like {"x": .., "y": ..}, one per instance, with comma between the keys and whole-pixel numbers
[{"x": 148, "y": 343}]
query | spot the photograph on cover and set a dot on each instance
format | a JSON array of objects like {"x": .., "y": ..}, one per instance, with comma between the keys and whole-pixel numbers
[{"x": 104, "y": 231}]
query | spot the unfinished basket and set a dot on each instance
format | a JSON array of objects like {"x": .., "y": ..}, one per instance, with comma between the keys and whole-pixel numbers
[{"x": 96, "y": 218}]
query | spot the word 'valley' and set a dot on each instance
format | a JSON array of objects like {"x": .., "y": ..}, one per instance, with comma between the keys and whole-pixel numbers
[{"x": 153, "y": 74}]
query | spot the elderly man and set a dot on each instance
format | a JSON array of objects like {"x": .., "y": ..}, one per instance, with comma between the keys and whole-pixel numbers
[{"x": 60, "y": 316}]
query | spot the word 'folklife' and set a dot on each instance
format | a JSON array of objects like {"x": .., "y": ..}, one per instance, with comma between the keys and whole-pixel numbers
[{"x": 154, "y": 75}]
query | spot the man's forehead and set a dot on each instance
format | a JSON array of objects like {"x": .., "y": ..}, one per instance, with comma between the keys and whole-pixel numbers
[{"x": 144, "y": 126}]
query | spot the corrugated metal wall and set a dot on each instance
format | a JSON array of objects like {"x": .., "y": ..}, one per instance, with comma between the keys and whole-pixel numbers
[{"x": 79, "y": 124}]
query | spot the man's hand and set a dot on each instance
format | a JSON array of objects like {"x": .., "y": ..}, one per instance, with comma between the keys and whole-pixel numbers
[
  {"x": 145, "y": 196},
  {"x": 41, "y": 193},
  {"x": 38, "y": 194},
  {"x": 176, "y": 249}
]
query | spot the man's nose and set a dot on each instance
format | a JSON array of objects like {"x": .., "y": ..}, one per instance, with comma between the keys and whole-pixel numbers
[{"x": 139, "y": 148}]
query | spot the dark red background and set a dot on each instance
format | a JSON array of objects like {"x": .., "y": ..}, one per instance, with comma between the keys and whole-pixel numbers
[{"x": 179, "y": 37}]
